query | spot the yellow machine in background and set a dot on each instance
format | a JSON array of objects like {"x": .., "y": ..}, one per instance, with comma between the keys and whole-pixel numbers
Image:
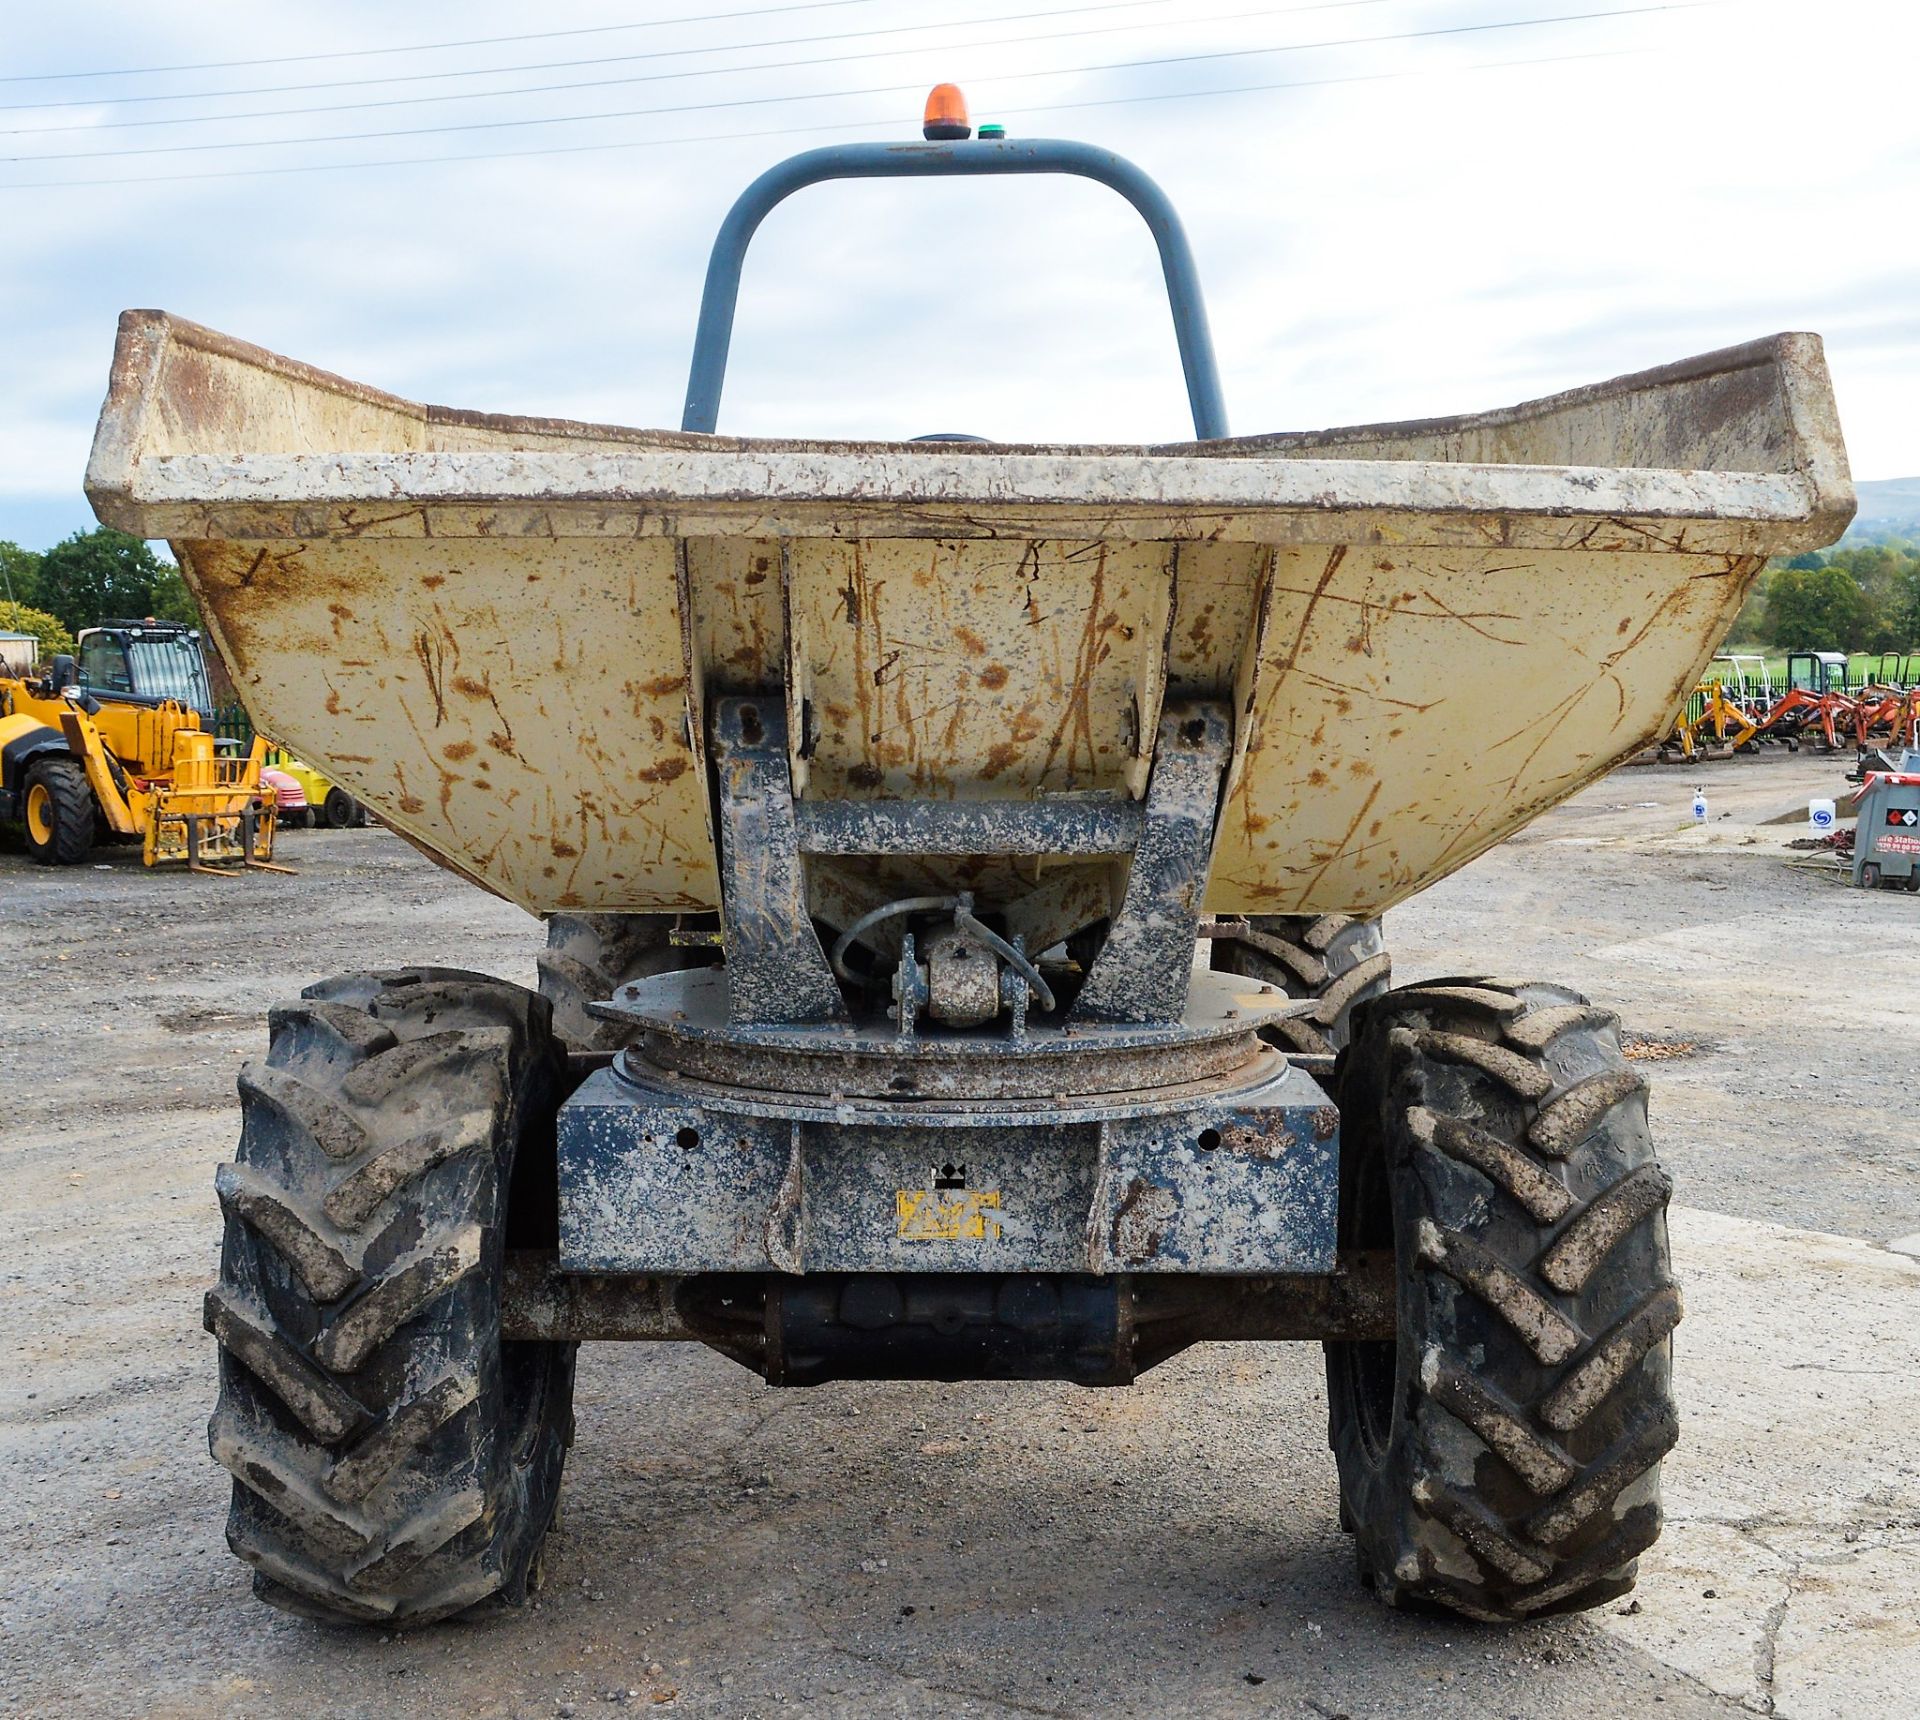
[
  {"x": 322, "y": 801},
  {"x": 116, "y": 745}
]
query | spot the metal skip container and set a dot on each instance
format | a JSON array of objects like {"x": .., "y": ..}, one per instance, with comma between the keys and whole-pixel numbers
[
  {"x": 505, "y": 635},
  {"x": 530, "y": 645}
]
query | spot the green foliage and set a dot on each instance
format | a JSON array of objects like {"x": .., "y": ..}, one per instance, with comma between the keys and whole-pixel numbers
[
  {"x": 172, "y": 601},
  {"x": 104, "y": 573},
  {"x": 1750, "y": 625},
  {"x": 19, "y": 574},
  {"x": 1863, "y": 598},
  {"x": 18, "y": 618},
  {"x": 1906, "y": 616},
  {"x": 1883, "y": 572},
  {"x": 1816, "y": 609}
]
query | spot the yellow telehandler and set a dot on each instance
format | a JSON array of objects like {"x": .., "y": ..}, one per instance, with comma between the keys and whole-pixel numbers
[{"x": 117, "y": 743}]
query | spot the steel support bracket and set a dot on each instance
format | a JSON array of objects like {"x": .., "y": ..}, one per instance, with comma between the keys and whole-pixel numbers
[
  {"x": 776, "y": 969},
  {"x": 1143, "y": 969}
]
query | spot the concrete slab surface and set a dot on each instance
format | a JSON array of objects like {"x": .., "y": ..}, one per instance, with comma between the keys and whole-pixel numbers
[{"x": 1789, "y": 1573}]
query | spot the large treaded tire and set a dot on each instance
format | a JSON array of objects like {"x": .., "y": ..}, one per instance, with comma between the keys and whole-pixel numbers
[
  {"x": 394, "y": 1461},
  {"x": 1338, "y": 962},
  {"x": 70, "y": 811},
  {"x": 591, "y": 956},
  {"x": 1502, "y": 1458}
]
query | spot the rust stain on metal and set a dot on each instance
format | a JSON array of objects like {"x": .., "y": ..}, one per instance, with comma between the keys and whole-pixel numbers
[
  {"x": 427, "y": 647},
  {"x": 1140, "y": 1220},
  {"x": 1257, "y": 1143},
  {"x": 1429, "y": 632}
]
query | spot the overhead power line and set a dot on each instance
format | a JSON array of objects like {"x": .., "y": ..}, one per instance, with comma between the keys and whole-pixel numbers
[
  {"x": 831, "y": 126},
  {"x": 431, "y": 47},
  {"x": 562, "y": 65},
  {"x": 726, "y": 71},
  {"x": 885, "y": 89}
]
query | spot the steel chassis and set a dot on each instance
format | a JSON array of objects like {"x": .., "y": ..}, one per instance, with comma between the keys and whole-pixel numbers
[{"x": 975, "y": 1179}]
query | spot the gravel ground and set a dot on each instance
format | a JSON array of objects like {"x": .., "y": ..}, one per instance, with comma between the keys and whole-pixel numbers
[{"x": 989, "y": 1549}]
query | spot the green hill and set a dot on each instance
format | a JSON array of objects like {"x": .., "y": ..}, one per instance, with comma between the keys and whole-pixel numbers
[{"x": 1889, "y": 507}]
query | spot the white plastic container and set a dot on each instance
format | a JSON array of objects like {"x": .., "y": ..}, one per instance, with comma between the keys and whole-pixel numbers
[{"x": 1820, "y": 816}]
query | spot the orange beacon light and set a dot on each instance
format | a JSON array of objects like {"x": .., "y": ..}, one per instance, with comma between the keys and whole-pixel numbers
[{"x": 946, "y": 115}]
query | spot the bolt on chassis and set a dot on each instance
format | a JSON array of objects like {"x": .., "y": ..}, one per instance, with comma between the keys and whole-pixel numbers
[{"x": 879, "y": 796}]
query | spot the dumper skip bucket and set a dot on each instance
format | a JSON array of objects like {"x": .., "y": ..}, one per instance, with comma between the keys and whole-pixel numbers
[{"x": 505, "y": 634}]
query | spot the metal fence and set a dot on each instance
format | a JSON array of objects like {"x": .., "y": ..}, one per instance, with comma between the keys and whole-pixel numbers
[{"x": 231, "y": 723}]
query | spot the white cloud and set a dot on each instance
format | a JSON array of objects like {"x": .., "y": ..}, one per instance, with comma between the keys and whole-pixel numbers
[{"x": 1455, "y": 238}]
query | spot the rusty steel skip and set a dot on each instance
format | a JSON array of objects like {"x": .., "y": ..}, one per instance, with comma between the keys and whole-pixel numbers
[{"x": 882, "y": 794}]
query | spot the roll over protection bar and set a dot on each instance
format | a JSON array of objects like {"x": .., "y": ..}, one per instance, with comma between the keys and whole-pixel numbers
[{"x": 940, "y": 160}]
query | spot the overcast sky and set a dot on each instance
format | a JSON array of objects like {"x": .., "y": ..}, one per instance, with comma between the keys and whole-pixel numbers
[{"x": 1416, "y": 214}]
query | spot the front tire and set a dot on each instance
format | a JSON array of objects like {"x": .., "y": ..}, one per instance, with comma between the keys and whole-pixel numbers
[
  {"x": 59, "y": 812},
  {"x": 1501, "y": 1459},
  {"x": 394, "y": 1460}
]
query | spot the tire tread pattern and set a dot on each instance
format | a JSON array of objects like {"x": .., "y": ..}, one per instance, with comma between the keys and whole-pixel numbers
[
  {"x": 392, "y": 1459},
  {"x": 591, "y": 956},
  {"x": 1337, "y": 962},
  {"x": 1533, "y": 1403}
]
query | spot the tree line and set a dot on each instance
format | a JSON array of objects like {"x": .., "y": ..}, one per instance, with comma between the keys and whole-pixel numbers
[
  {"x": 88, "y": 578},
  {"x": 1859, "y": 599}
]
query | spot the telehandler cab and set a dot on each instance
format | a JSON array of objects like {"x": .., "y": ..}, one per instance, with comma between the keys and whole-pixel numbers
[{"x": 880, "y": 794}]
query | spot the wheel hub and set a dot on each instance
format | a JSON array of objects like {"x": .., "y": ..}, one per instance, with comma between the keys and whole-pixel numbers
[{"x": 40, "y": 813}]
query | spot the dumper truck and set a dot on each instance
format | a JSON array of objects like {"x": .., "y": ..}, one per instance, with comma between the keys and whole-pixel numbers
[{"x": 944, "y": 841}]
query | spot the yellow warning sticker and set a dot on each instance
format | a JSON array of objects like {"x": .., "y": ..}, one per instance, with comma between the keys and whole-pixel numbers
[{"x": 927, "y": 1215}]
